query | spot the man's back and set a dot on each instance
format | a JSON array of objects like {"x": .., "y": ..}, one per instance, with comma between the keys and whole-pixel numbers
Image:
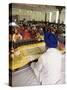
[{"x": 51, "y": 69}]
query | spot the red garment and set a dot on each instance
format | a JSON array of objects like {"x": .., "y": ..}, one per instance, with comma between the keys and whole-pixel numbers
[{"x": 26, "y": 35}]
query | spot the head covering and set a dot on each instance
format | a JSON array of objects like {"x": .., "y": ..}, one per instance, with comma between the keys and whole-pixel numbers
[
  {"x": 13, "y": 24},
  {"x": 50, "y": 40}
]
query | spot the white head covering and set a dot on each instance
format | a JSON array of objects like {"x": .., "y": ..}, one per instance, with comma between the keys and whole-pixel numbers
[{"x": 13, "y": 24}]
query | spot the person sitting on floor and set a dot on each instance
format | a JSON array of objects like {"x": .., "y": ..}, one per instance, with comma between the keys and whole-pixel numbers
[
  {"x": 49, "y": 65},
  {"x": 16, "y": 36},
  {"x": 27, "y": 35}
]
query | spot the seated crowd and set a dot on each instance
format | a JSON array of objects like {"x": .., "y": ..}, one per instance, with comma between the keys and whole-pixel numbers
[{"x": 33, "y": 32}]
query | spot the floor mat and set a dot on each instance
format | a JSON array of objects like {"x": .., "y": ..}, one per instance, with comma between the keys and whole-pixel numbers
[{"x": 24, "y": 77}]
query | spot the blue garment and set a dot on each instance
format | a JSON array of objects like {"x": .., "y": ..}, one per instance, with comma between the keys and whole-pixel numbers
[{"x": 50, "y": 40}]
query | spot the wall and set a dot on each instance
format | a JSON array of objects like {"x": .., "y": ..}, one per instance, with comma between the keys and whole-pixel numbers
[{"x": 37, "y": 15}]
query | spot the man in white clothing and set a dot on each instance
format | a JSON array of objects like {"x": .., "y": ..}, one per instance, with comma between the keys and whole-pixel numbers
[{"x": 48, "y": 68}]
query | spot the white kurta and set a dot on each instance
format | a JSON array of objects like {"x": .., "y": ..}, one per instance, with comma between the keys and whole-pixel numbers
[{"x": 48, "y": 68}]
